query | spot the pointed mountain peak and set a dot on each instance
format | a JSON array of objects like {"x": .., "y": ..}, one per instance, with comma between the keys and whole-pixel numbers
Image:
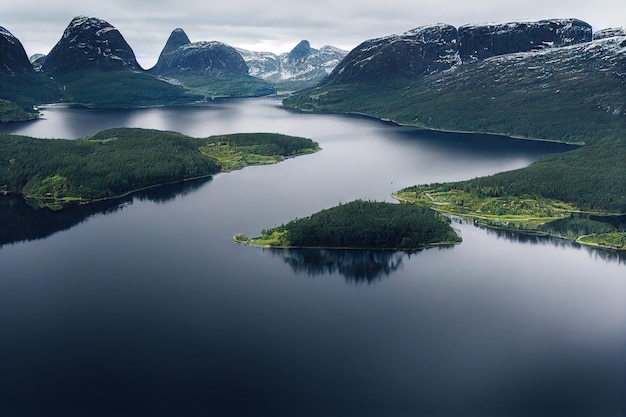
[
  {"x": 177, "y": 38},
  {"x": 300, "y": 51}
]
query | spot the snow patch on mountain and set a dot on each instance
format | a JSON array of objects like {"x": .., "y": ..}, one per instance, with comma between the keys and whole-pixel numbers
[{"x": 302, "y": 63}]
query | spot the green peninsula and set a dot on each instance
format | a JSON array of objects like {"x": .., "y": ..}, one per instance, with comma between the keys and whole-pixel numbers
[
  {"x": 362, "y": 225},
  {"x": 494, "y": 207},
  {"x": 115, "y": 162}
]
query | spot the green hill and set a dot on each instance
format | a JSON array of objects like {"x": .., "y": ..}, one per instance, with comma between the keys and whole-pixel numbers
[
  {"x": 118, "y": 161},
  {"x": 362, "y": 224}
]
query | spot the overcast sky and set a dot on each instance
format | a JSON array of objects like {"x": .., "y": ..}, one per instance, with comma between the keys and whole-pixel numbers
[{"x": 278, "y": 25}]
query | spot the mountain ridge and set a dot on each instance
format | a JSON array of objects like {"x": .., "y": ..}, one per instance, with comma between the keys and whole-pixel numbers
[
  {"x": 180, "y": 56},
  {"x": 302, "y": 66}
]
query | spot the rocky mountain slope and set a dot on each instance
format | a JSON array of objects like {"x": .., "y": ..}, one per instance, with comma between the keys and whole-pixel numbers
[
  {"x": 303, "y": 63},
  {"x": 182, "y": 57},
  {"x": 420, "y": 78},
  {"x": 416, "y": 53},
  {"x": 13, "y": 58},
  {"x": 90, "y": 43},
  {"x": 92, "y": 65},
  {"x": 609, "y": 33},
  {"x": 435, "y": 48},
  {"x": 484, "y": 41}
]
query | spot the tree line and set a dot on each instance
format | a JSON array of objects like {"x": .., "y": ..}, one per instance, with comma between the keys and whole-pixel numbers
[{"x": 368, "y": 224}]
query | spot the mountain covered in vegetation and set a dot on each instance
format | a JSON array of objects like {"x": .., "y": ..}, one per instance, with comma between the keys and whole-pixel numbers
[{"x": 570, "y": 88}]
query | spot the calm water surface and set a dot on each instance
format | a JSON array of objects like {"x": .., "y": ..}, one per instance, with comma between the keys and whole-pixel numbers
[{"x": 146, "y": 307}]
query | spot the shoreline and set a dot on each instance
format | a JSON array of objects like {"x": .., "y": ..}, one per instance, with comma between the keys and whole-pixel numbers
[
  {"x": 83, "y": 201},
  {"x": 433, "y": 129},
  {"x": 348, "y": 248},
  {"x": 476, "y": 221},
  {"x": 47, "y": 202}
]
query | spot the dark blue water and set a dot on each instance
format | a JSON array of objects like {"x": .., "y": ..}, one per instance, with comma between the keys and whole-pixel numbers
[{"x": 146, "y": 307}]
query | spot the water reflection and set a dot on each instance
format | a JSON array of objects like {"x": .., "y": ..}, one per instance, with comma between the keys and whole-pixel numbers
[
  {"x": 21, "y": 222},
  {"x": 535, "y": 239},
  {"x": 356, "y": 266}
]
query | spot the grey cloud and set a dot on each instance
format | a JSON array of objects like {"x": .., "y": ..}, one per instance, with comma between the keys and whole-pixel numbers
[{"x": 146, "y": 24}]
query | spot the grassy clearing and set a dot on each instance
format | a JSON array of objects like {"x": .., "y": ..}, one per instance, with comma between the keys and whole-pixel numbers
[
  {"x": 272, "y": 238},
  {"x": 268, "y": 238},
  {"x": 501, "y": 212},
  {"x": 605, "y": 240},
  {"x": 232, "y": 158},
  {"x": 531, "y": 215},
  {"x": 238, "y": 151},
  {"x": 506, "y": 212}
]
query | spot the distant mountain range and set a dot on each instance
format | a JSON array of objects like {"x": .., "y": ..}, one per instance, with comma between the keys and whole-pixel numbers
[
  {"x": 92, "y": 53},
  {"x": 81, "y": 67},
  {"x": 92, "y": 43},
  {"x": 302, "y": 64}
]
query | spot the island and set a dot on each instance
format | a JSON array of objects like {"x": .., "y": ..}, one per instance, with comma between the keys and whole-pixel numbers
[
  {"x": 115, "y": 162},
  {"x": 362, "y": 225}
]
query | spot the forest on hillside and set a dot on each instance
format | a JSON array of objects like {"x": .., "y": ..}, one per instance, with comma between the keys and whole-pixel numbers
[
  {"x": 116, "y": 161},
  {"x": 364, "y": 224}
]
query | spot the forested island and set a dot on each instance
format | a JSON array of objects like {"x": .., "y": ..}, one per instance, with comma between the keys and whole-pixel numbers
[
  {"x": 362, "y": 225},
  {"x": 115, "y": 162}
]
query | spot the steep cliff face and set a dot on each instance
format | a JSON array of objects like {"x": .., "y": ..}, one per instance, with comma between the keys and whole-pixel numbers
[
  {"x": 300, "y": 52},
  {"x": 483, "y": 41},
  {"x": 413, "y": 54},
  {"x": 13, "y": 58},
  {"x": 90, "y": 43},
  {"x": 182, "y": 57}
]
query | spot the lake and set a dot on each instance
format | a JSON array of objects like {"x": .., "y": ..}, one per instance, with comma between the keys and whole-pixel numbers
[{"x": 146, "y": 307}]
